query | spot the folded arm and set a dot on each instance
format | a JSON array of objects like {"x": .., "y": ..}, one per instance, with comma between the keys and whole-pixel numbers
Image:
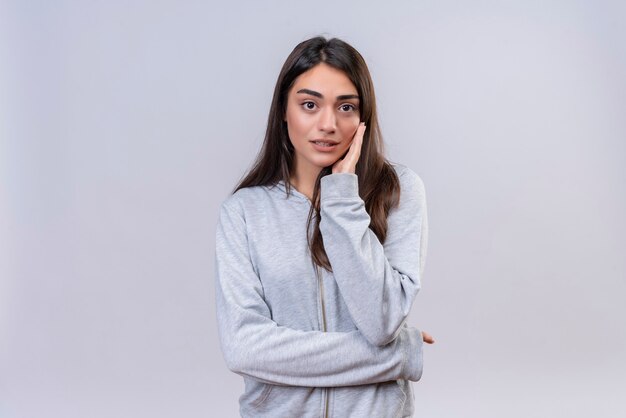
[{"x": 255, "y": 346}]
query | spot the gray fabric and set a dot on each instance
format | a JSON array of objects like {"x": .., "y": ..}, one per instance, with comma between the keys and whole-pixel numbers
[{"x": 269, "y": 301}]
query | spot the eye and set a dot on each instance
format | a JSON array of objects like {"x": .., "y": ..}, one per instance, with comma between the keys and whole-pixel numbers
[
  {"x": 309, "y": 105},
  {"x": 347, "y": 107}
]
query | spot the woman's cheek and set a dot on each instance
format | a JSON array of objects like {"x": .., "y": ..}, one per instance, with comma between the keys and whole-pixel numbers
[{"x": 350, "y": 125}]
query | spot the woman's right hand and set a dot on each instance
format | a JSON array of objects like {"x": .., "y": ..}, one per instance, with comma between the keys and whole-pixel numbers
[{"x": 427, "y": 338}]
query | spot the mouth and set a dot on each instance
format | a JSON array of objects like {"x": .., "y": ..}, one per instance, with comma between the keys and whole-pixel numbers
[
  {"x": 324, "y": 145},
  {"x": 324, "y": 142}
]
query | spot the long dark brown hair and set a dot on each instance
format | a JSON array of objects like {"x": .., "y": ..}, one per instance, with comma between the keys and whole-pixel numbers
[{"x": 379, "y": 186}]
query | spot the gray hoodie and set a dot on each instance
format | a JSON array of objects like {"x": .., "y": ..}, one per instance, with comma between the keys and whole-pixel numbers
[{"x": 310, "y": 343}]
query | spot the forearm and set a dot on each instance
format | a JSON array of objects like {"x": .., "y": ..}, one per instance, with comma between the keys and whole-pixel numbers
[
  {"x": 283, "y": 356},
  {"x": 378, "y": 282}
]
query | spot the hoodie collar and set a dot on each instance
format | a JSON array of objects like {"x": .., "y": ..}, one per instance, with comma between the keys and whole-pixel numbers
[{"x": 295, "y": 194}]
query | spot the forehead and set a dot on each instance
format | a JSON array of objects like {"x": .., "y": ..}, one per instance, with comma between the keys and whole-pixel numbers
[{"x": 325, "y": 79}]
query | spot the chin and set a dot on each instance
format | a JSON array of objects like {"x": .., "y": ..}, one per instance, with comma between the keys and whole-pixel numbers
[{"x": 325, "y": 162}]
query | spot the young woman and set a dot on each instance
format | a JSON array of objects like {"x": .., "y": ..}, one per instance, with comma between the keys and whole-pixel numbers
[{"x": 320, "y": 252}]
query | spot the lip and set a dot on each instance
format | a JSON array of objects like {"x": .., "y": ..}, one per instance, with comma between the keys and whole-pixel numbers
[
  {"x": 322, "y": 148},
  {"x": 332, "y": 141}
]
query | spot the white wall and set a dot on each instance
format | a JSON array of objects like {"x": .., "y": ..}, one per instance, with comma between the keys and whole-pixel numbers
[{"x": 123, "y": 126}]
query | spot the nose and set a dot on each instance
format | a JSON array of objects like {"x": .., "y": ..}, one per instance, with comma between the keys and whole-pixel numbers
[{"x": 327, "y": 121}]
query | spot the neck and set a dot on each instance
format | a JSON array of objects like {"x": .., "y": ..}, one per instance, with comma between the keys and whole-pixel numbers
[{"x": 303, "y": 179}]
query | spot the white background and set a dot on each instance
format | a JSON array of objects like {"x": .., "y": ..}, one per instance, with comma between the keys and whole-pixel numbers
[{"x": 123, "y": 125}]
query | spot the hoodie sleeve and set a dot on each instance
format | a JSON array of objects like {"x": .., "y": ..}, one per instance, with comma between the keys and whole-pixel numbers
[
  {"x": 255, "y": 346},
  {"x": 378, "y": 282}
]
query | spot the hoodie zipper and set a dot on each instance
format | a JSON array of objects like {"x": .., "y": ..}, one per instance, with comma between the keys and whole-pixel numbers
[{"x": 321, "y": 287}]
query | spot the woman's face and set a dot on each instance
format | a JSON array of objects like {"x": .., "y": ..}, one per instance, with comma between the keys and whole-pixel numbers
[{"x": 322, "y": 105}]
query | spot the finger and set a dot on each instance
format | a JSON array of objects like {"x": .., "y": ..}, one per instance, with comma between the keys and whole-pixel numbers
[
  {"x": 427, "y": 337},
  {"x": 355, "y": 147},
  {"x": 350, "y": 158}
]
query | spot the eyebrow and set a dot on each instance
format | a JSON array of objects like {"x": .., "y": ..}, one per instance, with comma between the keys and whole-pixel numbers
[{"x": 317, "y": 94}]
